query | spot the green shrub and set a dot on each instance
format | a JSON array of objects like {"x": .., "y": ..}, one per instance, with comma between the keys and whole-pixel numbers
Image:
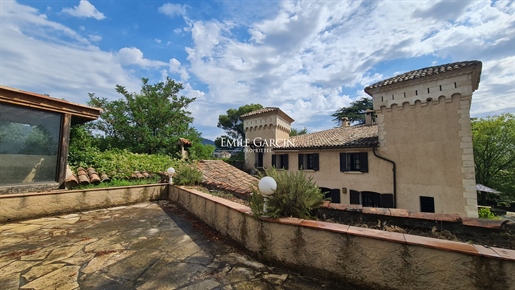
[
  {"x": 120, "y": 164},
  {"x": 187, "y": 174},
  {"x": 485, "y": 213},
  {"x": 296, "y": 195}
]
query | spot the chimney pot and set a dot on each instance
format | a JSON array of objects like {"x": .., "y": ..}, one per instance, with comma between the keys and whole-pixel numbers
[
  {"x": 368, "y": 117},
  {"x": 345, "y": 122}
]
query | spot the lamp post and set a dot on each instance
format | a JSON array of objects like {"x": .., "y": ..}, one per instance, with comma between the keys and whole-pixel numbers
[
  {"x": 170, "y": 172},
  {"x": 267, "y": 186}
]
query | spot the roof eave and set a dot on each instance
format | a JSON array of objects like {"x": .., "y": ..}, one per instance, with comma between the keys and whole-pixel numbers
[{"x": 28, "y": 99}]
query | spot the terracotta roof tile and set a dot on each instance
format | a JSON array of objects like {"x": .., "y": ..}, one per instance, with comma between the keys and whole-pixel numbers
[
  {"x": 343, "y": 137},
  {"x": 260, "y": 111},
  {"x": 223, "y": 176},
  {"x": 267, "y": 110},
  {"x": 424, "y": 72}
]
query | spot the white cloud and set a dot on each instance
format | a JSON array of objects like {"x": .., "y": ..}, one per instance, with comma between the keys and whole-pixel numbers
[
  {"x": 84, "y": 10},
  {"x": 134, "y": 56},
  {"x": 309, "y": 58},
  {"x": 305, "y": 56},
  {"x": 94, "y": 38},
  {"x": 48, "y": 57},
  {"x": 176, "y": 68},
  {"x": 172, "y": 10}
]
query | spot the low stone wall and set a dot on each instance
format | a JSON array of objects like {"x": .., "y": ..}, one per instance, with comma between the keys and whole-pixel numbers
[
  {"x": 369, "y": 258},
  {"x": 32, "y": 205},
  {"x": 350, "y": 213}
]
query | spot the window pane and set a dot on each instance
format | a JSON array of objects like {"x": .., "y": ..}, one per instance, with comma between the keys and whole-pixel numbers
[
  {"x": 310, "y": 162},
  {"x": 29, "y": 144}
]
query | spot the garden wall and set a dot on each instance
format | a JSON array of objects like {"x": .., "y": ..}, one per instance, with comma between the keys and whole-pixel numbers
[
  {"x": 32, "y": 205},
  {"x": 365, "y": 257}
]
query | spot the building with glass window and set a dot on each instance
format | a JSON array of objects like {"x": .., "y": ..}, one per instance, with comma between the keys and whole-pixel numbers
[
  {"x": 413, "y": 152},
  {"x": 34, "y": 135}
]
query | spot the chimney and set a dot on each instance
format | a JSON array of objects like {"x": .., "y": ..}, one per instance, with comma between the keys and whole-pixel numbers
[
  {"x": 368, "y": 117},
  {"x": 345, "y": 122}
]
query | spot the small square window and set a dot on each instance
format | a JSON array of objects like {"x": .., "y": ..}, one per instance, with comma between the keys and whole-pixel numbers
[{"x": 427, "y": 204}]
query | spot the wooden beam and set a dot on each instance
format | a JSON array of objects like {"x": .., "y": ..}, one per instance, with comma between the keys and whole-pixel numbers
[
  {"x": 33, "y": 100},
  {"x": 63, "y": 149}
]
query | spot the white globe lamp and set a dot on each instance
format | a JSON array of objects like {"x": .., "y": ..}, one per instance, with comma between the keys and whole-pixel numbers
[
  {"x": 171, "y": 172},
  {"x": 267, "y": 185}
]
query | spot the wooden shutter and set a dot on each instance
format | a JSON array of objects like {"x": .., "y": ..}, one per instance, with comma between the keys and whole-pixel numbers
[
  {"x": 301, "y": 158},
  {"x": 285, "y": 161},
  {"x": 343, "y": 162},
  {"x": 335, "y": 195},
  {"x": 387, "y": 200},
  {"x": 363, "y": 161},
  {"x": 315, "y": 162},
  {"x": 354, "y": 197},
  {"x": 274, "y": 160}
]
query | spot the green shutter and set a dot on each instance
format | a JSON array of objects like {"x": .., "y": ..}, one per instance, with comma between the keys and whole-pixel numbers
[
  {"x": 285, "y": 161},
  {"x": 274, "y": 160},
  {"x": 301, "y": 158}
]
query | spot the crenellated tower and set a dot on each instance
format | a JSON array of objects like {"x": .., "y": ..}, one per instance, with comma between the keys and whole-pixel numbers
[
  {"x": 264, "y": 128},
  {"x": 423, "y": 119}
]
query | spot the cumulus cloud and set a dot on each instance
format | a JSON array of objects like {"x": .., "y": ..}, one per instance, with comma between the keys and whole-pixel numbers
[
  {"x": 84, "y": 10},
  {"x": 309, "y": 58},
  {"x": 306, "y": 57},
  {"x": 134, "y": 56},
  {"x": 176, "y": 68},
  {"x": 172, "y": 10},
  {"x": 48, "y": 57}
]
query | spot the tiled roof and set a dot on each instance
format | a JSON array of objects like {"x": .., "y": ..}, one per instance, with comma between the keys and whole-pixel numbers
[
  {"x": 350, "y": 137},
  {"x": 184, "y": 141},
  {"x": 260, "y": 111},
  {"x": 428, "y": 71},
  {"x": 84, "y": 176},
  {"x": 267, "y": 110},
  {"x": 220, "y": 175}
]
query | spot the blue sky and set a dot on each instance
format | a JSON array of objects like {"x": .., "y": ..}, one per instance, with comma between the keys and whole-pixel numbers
[{"x": 307, "y": 57}]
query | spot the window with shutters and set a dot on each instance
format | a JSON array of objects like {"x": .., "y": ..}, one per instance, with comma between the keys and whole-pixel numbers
[
  {"x": 308, "y": 162},
  {"x": 354, "y": 162},
  {"x": 280, "y": 161}
]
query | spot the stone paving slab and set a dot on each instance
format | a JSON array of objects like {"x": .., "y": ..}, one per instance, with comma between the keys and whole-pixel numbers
[{"x": 144, "y": 246}]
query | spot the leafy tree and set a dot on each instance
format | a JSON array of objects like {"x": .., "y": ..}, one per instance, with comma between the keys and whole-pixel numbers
[
  {"x": 494, "y": 152},
  {"x": 150, "y": 121},
  {"x": 232, "y": 123},
  {"x": 297, "y": 132},
  {"x": 355, "y": 112},
  {"x": 199, "y": 151},
  {"x": 226, "y": 139}
]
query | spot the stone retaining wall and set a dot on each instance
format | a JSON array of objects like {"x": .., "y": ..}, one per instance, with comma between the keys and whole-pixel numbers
[
  {"x": 365, "y": 257},
  {"x": 32, "y": 205}
]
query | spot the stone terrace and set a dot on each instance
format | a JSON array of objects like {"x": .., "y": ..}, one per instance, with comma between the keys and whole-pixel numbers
[{"x": 143, "y": 246}]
